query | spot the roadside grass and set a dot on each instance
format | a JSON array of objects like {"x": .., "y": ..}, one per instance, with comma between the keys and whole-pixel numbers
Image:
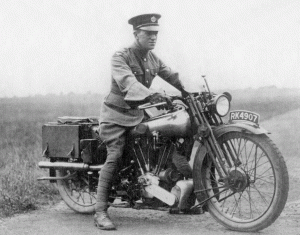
[
  {"x": 21, "y": 144},
  {"x": 20, "y": 152},
  {"x": 21, "y": 147}
]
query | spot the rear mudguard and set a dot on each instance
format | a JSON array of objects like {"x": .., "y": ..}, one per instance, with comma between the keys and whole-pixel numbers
[{"x": 201, "y": 152}]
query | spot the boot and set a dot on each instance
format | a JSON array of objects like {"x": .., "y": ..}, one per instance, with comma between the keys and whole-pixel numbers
[{"x": 102, "y": 221}]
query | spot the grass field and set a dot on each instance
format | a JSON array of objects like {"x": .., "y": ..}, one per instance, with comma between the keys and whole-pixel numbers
[
  {"x": 20, "y": 138},
  {"x": 21, "y": 146}
]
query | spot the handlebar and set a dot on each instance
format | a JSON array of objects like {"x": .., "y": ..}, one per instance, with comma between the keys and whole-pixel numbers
[{"x": 149, "y": 105}]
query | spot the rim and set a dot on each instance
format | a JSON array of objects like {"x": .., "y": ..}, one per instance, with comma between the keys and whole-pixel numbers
[
  {"x": 249, "y": 190},
  {"x": 80, "y": 189}
]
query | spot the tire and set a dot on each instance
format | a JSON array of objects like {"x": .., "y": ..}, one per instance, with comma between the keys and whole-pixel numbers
[
  {"x": 254, "y": 194},
  {"x": 79, "y": 191}
]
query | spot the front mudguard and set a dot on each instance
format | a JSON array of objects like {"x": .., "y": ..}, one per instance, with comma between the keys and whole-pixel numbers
[
  {"x": 200, "y": 156},
  {"x": 239, "y": 127}
]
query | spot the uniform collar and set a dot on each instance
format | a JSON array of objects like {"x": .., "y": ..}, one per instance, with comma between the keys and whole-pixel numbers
[{"x": 139, "y": 51}]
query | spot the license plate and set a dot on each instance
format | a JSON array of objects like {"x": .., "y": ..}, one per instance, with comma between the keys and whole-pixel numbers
[{"x": 242, "y": 115}]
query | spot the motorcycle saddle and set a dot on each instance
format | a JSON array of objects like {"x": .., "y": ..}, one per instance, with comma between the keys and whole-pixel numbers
[{"x": 77, "y": 120}]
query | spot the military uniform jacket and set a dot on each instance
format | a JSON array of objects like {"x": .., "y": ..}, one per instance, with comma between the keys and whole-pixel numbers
[{"x": 133, "y": 71}]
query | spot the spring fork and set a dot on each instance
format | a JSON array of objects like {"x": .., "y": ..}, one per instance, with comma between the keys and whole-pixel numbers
[
  {"x": 234, "y": 155},
  {"x": 211, "y": 140},
  {"x": 210, "y": 153}
]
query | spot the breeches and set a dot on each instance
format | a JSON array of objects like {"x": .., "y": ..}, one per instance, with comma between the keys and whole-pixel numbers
[{"x": 114, "y": 137}]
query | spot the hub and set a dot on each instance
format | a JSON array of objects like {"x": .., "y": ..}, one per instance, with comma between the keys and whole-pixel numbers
[{"x": 238, "y": 180}]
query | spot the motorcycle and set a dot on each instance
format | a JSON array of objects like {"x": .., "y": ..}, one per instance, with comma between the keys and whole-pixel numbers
[{"x": 239, "y": 176}]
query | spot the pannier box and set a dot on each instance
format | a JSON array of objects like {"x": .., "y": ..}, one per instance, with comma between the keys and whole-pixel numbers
[{"x": 62, "y": 140}]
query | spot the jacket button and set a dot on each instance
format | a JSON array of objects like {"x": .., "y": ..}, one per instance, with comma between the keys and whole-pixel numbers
[
  {"x": 145, "y": 59},
  {"x": 147, "y": 70}
]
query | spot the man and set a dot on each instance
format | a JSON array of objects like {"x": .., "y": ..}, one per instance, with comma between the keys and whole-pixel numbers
[{"x": 133, "y": 70}]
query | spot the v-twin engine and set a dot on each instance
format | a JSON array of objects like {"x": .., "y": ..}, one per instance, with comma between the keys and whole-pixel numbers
[{"x": 162, "y": 170}]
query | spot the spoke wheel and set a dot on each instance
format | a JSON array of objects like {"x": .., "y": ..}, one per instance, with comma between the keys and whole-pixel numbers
[
  {"x": 254, "y": 192},
  {"x": 78, "y": 191}
]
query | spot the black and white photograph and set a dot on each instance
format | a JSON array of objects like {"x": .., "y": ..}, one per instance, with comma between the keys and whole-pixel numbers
[{"x": 149, "y": 117}]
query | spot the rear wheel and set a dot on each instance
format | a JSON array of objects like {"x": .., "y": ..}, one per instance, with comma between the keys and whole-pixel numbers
[
  {"x": 255, "y": 191},
  {"x": 79, "y": 190}
]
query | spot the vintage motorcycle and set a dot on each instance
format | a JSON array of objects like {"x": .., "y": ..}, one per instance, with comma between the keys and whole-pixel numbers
[{"x": 239, "y": 175}]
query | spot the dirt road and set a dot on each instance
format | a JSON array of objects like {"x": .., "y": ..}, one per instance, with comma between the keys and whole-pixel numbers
[{"x": 59, "y": 219}]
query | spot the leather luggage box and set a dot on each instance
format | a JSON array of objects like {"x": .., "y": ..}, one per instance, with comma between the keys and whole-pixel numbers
[
  {"x": 67, "y": 137},
  {"x": 61, "y": 141}
]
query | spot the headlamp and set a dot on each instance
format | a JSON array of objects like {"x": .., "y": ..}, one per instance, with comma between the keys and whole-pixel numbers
[{"x": 221, "y": 104}]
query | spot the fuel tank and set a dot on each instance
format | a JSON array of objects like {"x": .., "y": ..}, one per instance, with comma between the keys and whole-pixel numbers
[{"x": 171, "y": 124}]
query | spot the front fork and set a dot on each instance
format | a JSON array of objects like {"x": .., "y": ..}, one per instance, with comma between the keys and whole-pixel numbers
[{"x": 206, "y": 136}]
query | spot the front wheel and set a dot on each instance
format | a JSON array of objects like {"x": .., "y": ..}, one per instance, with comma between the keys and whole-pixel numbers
[{"x": 254, "y": 192}]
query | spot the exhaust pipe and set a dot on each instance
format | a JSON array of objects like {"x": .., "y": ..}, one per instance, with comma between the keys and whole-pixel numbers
[{"x": 70, "y": 165}]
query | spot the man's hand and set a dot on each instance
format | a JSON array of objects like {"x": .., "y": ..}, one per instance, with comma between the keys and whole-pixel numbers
[{"x": 158, "y": 98}]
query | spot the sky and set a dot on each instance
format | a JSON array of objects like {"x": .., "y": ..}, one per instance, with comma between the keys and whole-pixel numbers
[{"x": 63, "y": 46}]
